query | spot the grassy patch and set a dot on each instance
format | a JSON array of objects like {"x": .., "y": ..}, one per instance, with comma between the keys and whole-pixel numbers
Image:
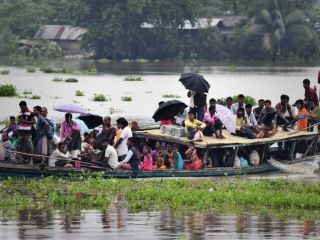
[
  {"x": 4, "y": 72},
  {"x": 71, "y": 80},
  {"x": 100, "y": 98},
  {"x": 90, "y": 71},
  {"x": 34, "y": 97},
  {"x": 56, "y": 70},
  {"x": 27, "y": 92},
  {"x": 30, "y": 69},
  {"x": 8, "y": 90},
  {"x": 126, "y": 99},
  {"x": 79, "y": 93},
  {"x": 103, "y": 60},
  {"x": 170, "y": 96},
  {"x": 113, "y": 110},
  {"x": 133, "y": 79},
  {"x": 278, "y": 198},
  {"x": 57, "y": 79}
]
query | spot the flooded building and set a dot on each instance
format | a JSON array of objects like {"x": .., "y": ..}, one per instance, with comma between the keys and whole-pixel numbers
[{"x": 68, "y": 37}]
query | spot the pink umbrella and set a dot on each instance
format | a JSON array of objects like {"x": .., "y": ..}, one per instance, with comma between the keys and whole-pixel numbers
[{"x": 227, "y": 118}]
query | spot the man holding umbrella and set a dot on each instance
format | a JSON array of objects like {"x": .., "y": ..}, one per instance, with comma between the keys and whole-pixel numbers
[{"x": 198, "y": 86}]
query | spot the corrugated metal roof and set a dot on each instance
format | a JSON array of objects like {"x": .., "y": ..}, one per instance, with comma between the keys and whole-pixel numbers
[
  {"x": 59, "y": 32},
  {"x": 199, "y": 23}
]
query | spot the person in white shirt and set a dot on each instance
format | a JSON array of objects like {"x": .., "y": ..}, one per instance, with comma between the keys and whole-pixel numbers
[
  {"x": 251, "y": 119},
  {"x": 110, "y": 155},
  {"x": 240, "y": 103},
  {"x": 121, "y": 144},
  {"x": 57, "y": 157}
]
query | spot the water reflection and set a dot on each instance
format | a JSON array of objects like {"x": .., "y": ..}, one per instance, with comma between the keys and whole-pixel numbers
[{"x": 120, "y": 223}]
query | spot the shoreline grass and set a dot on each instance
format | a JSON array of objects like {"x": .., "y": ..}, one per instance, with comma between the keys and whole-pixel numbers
[
  {"x": 277, "y": 198},
  {"x": 79, "y": 93},
  {"x": 133, "y": 78},
  {"x": 100, "y": 98},
  {"x": 8, "y": 90}
]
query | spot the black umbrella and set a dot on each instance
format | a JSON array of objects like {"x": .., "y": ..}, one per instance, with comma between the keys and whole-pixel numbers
[
  {"x": 168, "y": 110},
  {"x": 91, "y": 120},
  {"x": 194, "y": 82}
]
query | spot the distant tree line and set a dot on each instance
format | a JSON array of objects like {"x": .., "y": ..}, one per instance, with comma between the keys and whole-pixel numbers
[{"x": 274, "y": 29}]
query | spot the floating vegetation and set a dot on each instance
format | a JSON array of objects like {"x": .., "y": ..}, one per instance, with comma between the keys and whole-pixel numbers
[
  {"x": 27, "y": 92},
  {"x": 31, "y": 70},
  {"x": 103, "y": 60},
  {"x": 133, "y": 79},
  {"x": 71, "y": 80},
  {"x": 79, "y": 93},
  {"x": 57, "y": 79},
  {"x": 115, "y": 110},
  {"x": 277, "y": 198},
  {"x": 8, "y": 90},
  {"x": 56, "y": 70},
  {"x": 170, "y": 96},
  {"x": 126, "y": 99},
  {"x": 4, "y": 72},
  {"x": 75, "y": 101},
  {"x": 90, "y": 71},
  {"x": 34, "y": 97},
  {"x": 100, "y": 98}
]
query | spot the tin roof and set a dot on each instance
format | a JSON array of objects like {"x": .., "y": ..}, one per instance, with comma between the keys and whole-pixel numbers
[{"x": 59, "y": 32}]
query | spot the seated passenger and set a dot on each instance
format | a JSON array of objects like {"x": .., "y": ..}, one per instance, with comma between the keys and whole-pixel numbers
[
  {"x": 213, "y": 123},
  {"x": 58, "y": 157},
  {"x": 154, "y": 152},
  {"x": 181, "y": 117},
  {"x": 109, "y": 159},
  {"x": 88, "y": 138},
  {"x": 168, "y": 157},
  {"x": 159, "y": 164},
  {"x": 177, "y": 159},
  {"x": 242, "y": 129},
  {"x": 193, "y": 126},
  {"x": 12, "y": 129},
  {"x": 147, "y": 162},
  {"x": 228, "y": 158},
  {"x": 284, "y": 115},
  {"x": 131, "y": 160},
  {"x": 8, "y": 146},
  {"x": 135, "y": 125},
  {"x": 192, "y": 162}
]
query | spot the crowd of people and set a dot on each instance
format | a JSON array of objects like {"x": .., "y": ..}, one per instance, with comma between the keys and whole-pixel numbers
[{"x": 31, "y": 138}]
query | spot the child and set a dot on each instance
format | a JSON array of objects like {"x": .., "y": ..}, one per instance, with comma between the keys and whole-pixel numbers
[
  {"x": 302, "y": 116},
  {"x": 159, "y": 164},
  {"x": 177, "y": 159},
  {"x": 147, "y": 162},
  {"x": 192, "y": 162}
]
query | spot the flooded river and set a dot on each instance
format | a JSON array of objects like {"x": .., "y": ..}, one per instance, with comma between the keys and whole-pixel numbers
[
  {"x": 159, "y": 79},
  {"x": 119, "y": 223}
]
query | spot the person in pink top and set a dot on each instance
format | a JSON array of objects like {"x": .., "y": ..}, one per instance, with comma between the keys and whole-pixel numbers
[
  {"x": 213, "y": 123},
  {"x": 70, "y": 135},
  {"x": 147, "y": 163}
]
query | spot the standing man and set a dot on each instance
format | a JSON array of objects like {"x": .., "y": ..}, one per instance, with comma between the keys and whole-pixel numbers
[
  {"x": 284, "y": 115},
  {"x": 121, "y": 144},
  {"x": 198, "y": 102},
  {"x": 239, "y": 104},
  {"x": 26, "y": 121},
  {"x": 50, "y": 129},
  {"x": 41, "y": 140},
  {"x": 310, "y": 96}
]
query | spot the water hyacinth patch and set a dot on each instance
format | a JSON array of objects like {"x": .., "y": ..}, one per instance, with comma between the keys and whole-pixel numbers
[
  {"x": 8, "y": 90},
  {"x": 4, "y": 72},
  {"x": 79, "y": 93},
  {"x": 133, "y": 79}
]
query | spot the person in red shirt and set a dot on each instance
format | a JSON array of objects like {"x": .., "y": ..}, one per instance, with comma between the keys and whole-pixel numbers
[{"x": 310, "y": 96}]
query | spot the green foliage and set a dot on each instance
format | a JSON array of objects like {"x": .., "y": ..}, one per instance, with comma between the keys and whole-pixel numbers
[
  {"x": 133, "y": 79},
  {"x": 247, "y": 100},
  {"x": 170, "y": 96},
  {"x": 100, "y": 98},
  {"x": 79, "y": 93},
  {"x": 71, "y": 80},
  {"x": 126, "y": 99},
  {"x": 103, "y": 60},
  {"x": 90, "y": 71},
  {"x": 31, "y": 69},
  {"x": 34, "y": 97},
  {"x": 27, "y": 92},
  {"x": 45, "y": 69},
  {"x": 8, "y": 90},
  {"x": 4, "y": 72}
]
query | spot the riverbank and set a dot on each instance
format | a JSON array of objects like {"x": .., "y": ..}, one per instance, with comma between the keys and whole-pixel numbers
[{"x": 277, "y": 198}]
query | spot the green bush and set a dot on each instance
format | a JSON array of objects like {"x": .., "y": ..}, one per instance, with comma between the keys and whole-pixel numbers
[
  {"x": 31, "y": 69},
  {"x": 71, "y": 80},
  {"x": 100, "y": 98},
  {"x": 247, "y": 100},
  {"x": 34, "y": 97},
  {"x": 8, "y": 90},
  {"x": 79, "y": 93},
  {"x": 90, "y": 71},
  {"x": 56, "y": 70},
  {"x": 27, "y": 92},
  {"x": 4, "y": 72},
  {"x": 103, "y": 60},
  {"x": 126, "y": 99},
  {"x": 133, "y": 79}
]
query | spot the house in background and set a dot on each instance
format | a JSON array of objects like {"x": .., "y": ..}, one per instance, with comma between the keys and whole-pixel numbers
[{"x": 68, "y": 37}]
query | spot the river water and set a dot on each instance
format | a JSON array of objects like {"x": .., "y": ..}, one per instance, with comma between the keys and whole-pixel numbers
[
  {"x": 159, "y": 78},
  {"x": 119, "y": 223}
]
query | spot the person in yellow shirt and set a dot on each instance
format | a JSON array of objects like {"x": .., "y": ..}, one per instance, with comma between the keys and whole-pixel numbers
[
  {"x": 193, "y": 125},
  {"x": 302, "y": 116}
]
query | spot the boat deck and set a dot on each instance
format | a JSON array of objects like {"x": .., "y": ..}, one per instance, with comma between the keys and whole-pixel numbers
[{"x": 230, "y": 140}]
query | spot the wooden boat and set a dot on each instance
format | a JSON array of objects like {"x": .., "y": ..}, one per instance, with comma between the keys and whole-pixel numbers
[{"x": 209, "y": 143}]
